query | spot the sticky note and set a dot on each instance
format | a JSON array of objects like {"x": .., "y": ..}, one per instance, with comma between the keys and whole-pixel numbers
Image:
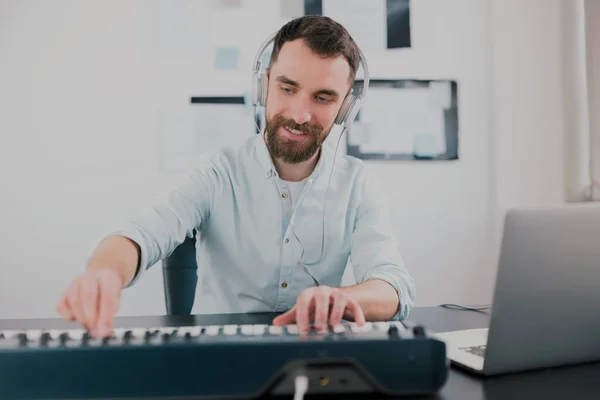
[
  {"x": 291, "y": 8},
  {"x": 226, "y": 58},
  {"x": 425, "y": 146}
]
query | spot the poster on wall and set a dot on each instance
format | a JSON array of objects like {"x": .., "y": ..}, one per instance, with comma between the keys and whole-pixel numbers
[
  {"x": 375, "y": 25},
  {"x": 407, "y": 119}
]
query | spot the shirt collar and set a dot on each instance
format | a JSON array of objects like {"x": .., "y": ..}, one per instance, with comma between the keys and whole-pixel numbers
[{"x": 269, "y": 170}]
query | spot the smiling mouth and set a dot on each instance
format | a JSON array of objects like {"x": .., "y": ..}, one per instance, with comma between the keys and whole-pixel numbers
[
  {"x": 294, "y": 131},
  {"x": 293, "y": 134}
]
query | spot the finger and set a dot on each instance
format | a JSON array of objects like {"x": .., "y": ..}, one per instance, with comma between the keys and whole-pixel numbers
[
  {"x": 356, "y": 311},
  {"x": 88, "y": 296},
  {"x": 304, "y": 304},
  {"x": 340, "y": 302},
  {"x": 287, "y": 318},
  {"x": 63, "y": 309},
  {"x": 74, "y": 303},
  {"x": 107, "y": 307},
  {"x": 322, "y": 298}
]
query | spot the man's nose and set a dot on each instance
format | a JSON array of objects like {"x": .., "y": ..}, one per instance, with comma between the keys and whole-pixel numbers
[{"x": 301, "y": 113}]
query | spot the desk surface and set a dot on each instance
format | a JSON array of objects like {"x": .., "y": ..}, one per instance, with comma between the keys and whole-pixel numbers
[{"x": 577, "y": 382}]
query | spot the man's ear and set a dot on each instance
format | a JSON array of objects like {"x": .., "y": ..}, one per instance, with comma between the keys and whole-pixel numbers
[{"x": 267, "y": 72}]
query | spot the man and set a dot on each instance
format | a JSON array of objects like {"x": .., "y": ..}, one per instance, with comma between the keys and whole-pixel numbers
[{"x": 268, "y": 240}]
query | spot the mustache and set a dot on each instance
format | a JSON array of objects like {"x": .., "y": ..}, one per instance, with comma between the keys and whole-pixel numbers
[{"x": 309, "y": 129}]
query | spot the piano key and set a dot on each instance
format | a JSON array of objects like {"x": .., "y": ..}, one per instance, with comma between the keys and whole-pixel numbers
[
  {"x": 359, "y": 329},
  {"x": 275, "y": 330},
  {"x": 119, "y": 332},
  {"x": 10, "y": 333},
  {"x": 34, "y": 334},
  {"x": 247, "y": 329},
  {"x": 76, "y": 334},
  {"x": 54, "y": 334},
  {"x": 138, "y": 333},
  {"x": 381, "y": 325},
  {"x": 259, "y": 329},
  {"x": 212, "y": 330},
  {"x": 230, "y": 330},
  {"x": 192, "y": 330},
  {"x": 168, "y": 330},
  {"x": 292, "y": 329}
]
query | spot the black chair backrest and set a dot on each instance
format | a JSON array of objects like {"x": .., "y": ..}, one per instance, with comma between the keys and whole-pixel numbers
[{"x": 180, "y": 275}]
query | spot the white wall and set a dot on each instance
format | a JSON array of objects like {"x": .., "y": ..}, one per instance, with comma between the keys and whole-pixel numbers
[
  {"x": 82, "y": 85},
  {"x": 592, "y": 34}
]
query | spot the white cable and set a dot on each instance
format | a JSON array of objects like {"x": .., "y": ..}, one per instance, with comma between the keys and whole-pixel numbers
[{"x": 300, "y": 387}]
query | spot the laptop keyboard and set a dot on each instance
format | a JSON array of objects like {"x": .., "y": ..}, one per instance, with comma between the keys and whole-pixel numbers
[{"x": 477, "y": 350}]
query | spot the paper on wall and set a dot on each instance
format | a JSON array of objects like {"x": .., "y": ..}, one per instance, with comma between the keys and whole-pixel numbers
[
  {"x": 441, "y": 93},
  {"x": 392, "y": 118}
]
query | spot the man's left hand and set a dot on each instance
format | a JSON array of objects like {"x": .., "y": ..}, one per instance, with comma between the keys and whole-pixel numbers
[{"x": 323, "y": 304}]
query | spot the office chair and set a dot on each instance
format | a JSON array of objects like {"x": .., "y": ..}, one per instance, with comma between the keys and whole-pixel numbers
[{"x": 180, "y": 275}]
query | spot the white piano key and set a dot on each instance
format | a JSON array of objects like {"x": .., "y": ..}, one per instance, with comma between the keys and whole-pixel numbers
[
  {"x": 138, "y": 333},
  {"x": 192, "y": 330},
  {"x": 166, "y": 329},
  {"x": 119, "y": 332},
  {"x": 196, "y": 331},
  {"x": 34, "y": 334},
  {"x": 230, "y": 330},
  {"x": 11, "y": 333},
  {"x": 75, "y": 334},
  {"x": 213, "y": 330},
  {"x": 359, "y": 329},
  {"x": 247, "y": 329},
  {"x": 292, "y": 329},
  {"x": 339, "y": 328},
  {"x": 275, "y": 330},
  {"x": 259, "y": 329},
  {"x": 381, "y": 325},
  {"x": 55, "y": 333}
]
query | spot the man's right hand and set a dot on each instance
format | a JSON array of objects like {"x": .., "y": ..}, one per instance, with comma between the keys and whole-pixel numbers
[{"x": 92, "y": 299}]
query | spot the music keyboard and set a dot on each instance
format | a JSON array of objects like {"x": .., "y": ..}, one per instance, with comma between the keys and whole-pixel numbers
[{"x": 216, "y": 361}]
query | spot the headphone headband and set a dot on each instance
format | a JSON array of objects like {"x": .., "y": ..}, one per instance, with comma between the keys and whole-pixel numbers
[{"x": 350, "y": 105}]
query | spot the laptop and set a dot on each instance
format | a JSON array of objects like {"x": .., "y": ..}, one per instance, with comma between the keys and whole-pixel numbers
[{"x": 546, "y": 305}]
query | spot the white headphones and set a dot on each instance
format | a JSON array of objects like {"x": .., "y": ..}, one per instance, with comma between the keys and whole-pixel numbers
[{"x": 350, "y": 106}]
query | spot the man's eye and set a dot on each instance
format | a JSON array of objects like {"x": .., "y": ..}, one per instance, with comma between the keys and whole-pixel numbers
[
  {"x": 286, "y": 90},
  {"x": 322, "y": 99}
]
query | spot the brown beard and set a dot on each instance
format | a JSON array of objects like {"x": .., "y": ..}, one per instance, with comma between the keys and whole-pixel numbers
[{"x": 290, "y": 151}]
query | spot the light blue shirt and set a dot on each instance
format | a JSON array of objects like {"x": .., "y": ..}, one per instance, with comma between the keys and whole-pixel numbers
[{"x": 253, "y": 243}]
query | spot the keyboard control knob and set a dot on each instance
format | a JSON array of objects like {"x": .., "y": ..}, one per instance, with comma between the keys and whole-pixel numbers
[
  {"x": 419, "y": 331},
  {"x": 393, "y": 331}
]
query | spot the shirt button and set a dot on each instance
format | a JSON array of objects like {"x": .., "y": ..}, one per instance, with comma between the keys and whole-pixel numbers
[
  {"x": 284, "y": 195},
  {"x": 286, "y": 241},
  {"x": 284, "y": 285}
]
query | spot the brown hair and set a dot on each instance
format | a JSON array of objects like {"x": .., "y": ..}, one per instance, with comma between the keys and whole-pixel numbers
[{"x": 323, "y": 36}]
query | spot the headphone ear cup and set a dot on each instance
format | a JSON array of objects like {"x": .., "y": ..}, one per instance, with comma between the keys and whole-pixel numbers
[
  {"x": 263, "y": 85},
  {"x": 345, "y": 109}
]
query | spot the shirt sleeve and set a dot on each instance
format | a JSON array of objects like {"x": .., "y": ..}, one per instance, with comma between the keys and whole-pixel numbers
[
  {"x": 163, "y": 224},
  {"x": 375, "y": 253}
]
